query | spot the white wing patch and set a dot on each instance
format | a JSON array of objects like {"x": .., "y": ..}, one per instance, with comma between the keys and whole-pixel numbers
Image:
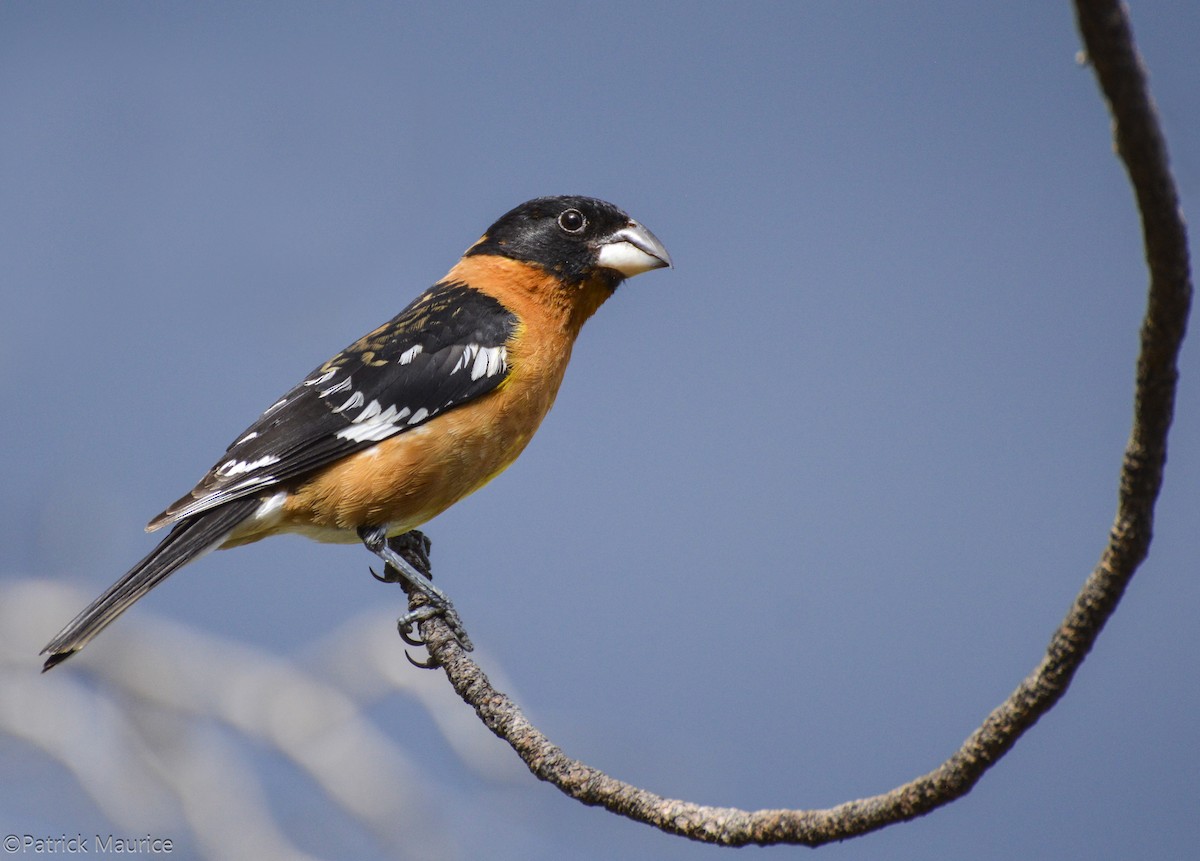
[
  {"x": 483, "y": 361},
  {"x": 355, "y": 400},
  {"x": 376, "y": 423},
  {"x": 325, "y": 377},
  {"x": 275, "y": 406},
  {"x": 410, "y": 354},
  {"x": 237, "y": 467},
  {"x": 343, "y": 386},
  {"x": 243, "y": 487}
]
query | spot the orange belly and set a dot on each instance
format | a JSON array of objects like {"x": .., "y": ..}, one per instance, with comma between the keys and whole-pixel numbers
[{"x": 412, "y": 477}]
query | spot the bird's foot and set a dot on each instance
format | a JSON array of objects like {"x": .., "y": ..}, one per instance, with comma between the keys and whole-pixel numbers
[{"x": 406, "y": 559}]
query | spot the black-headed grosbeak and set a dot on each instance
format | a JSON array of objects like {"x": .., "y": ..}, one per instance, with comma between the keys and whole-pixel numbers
[{"x": 411, "y": 417}]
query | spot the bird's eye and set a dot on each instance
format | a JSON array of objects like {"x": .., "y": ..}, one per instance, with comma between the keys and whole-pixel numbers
[{"x": 572, "y": 221}]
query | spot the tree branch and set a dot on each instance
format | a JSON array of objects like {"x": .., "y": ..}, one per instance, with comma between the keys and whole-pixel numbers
[{"x": 1110, "y": 49}]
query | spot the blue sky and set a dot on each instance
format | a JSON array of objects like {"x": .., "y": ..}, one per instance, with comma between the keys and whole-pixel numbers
[{"x": 809, "y": 504}]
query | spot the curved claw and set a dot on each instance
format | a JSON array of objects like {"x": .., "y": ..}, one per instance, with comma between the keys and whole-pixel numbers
[
  {"x": 406, "y": 630},
  {"x": 389, "y": 575},
  {"x": 431, "y": 664},
  {"x": 406, "y": 623}
]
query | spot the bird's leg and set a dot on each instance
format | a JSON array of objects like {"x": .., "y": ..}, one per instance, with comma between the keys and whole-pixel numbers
[
  {"x": 414, "y": 546},
  {"x": 397, "y": 553}
]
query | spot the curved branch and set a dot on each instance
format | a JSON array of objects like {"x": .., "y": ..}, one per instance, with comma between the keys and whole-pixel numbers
[{"x": 1110, "y": 49}]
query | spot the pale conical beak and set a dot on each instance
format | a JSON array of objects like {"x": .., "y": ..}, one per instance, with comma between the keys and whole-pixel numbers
[{"x": 633, "y": 250}]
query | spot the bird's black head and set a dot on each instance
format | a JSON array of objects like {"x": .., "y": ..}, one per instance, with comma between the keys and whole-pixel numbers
[{"x": 576, "y": 238}]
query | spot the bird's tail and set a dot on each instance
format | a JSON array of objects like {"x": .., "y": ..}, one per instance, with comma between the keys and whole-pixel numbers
[{"x": 190, "y": 539}]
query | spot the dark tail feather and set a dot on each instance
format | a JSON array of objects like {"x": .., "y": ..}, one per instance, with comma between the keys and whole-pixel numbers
[{"x": 189, "y": 539}]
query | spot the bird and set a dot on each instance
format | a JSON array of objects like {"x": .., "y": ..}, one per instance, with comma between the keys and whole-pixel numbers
[{"x": 413, "y": 416}]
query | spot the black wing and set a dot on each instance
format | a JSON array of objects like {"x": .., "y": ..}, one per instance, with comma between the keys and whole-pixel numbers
[{"x": 447, "y": 348}]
